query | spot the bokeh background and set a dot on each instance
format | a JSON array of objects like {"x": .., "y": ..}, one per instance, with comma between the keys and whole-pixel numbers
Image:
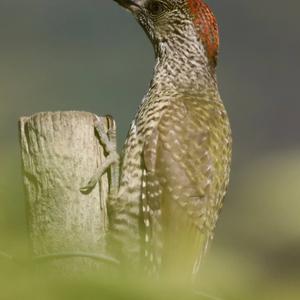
[{"x": 92, "y": 56}]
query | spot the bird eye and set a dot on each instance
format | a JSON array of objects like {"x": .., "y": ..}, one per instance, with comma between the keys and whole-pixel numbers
[{"x": 155, "y": 7}]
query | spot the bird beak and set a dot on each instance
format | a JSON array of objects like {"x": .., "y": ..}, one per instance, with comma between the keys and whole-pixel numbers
[{"x": 131, "y": 5}]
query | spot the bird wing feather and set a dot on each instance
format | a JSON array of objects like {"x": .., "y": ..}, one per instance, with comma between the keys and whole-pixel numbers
[{"x": 182, "y": 179}]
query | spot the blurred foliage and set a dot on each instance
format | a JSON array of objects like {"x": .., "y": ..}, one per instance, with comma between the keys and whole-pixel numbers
[
  {"x": 255, "y": 254},
  {"x": 91, "y": 55}
]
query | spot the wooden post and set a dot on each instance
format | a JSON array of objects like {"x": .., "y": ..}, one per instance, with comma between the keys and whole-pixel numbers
[{"x": 60, "y": 153}]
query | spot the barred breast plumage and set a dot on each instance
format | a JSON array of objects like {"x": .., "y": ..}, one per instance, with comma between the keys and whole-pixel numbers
[{"x": 176, "y": 160}]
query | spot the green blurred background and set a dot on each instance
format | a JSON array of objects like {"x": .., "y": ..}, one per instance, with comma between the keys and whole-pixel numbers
[{"x": 91, "y": 55}]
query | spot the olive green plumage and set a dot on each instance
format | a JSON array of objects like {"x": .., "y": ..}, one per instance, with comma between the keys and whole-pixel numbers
[
  {"x": 176, "y": 160},
  {"x": 187, "y": 161}
]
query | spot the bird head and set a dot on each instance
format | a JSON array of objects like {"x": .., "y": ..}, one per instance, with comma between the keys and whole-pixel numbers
[{"x": 178, "y": 26}]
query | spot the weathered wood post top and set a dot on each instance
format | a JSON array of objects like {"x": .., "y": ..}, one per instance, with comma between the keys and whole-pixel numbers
[{"x": 60, "y": 152}]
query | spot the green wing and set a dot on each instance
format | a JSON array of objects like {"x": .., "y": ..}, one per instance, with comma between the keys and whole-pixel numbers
[{"x": 186, "y": 162}]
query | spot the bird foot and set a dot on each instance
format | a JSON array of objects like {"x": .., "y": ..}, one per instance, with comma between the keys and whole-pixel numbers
[{"x": 107, "y": 139}]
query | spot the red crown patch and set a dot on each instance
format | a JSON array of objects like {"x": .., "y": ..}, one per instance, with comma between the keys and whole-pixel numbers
[{"x": 206, "y": 24}]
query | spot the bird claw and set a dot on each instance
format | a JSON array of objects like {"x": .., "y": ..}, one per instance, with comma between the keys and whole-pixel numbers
[
  {"x": 107, "y": 139},
  {"x": 90, "y": 185}
]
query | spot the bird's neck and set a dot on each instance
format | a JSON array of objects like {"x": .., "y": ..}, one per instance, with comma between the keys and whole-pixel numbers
[{"x": 183, "y": 69}]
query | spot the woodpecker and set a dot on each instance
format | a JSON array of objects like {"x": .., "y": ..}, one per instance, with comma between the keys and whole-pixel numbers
[{"x": 176, "y": 159}]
